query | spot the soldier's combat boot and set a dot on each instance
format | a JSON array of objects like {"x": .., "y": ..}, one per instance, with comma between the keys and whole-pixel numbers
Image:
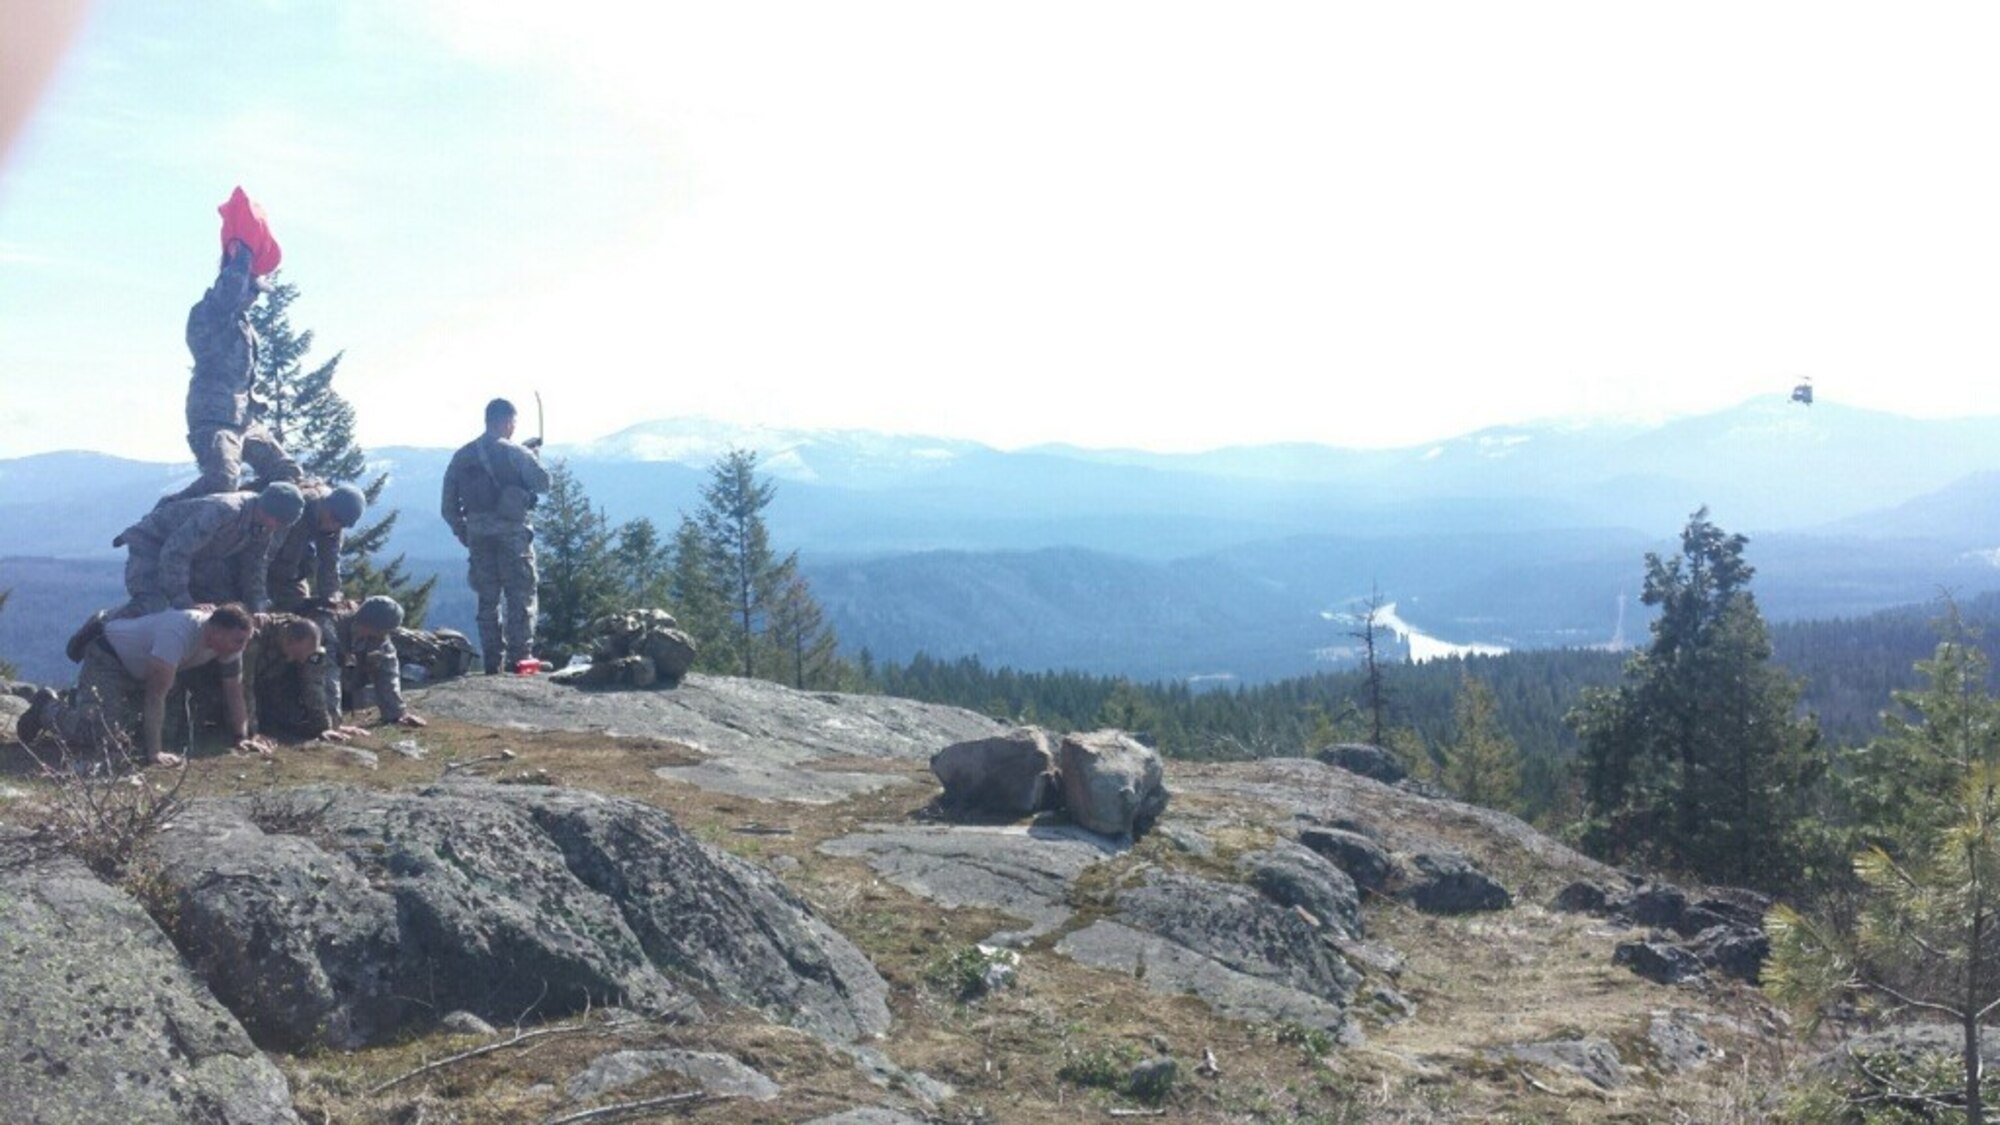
[
  {"x": 29, "y": 726},
  {"x": 80, "y": 640}
]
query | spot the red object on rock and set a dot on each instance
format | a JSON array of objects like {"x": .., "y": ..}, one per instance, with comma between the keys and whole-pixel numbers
[
  {"x": 244, "y": 221},
  {"x": 528, "y": 667}
]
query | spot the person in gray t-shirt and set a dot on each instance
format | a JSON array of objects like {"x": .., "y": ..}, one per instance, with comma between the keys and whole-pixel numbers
[{"x": 121, "y": 689}]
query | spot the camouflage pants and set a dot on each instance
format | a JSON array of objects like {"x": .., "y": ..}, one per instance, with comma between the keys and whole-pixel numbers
[
  {"x": 278, "y": 702},
  {"x": 220, "y": 451},
  {"x": 106, "y": 709},
  {"x": 504, "y": 564}
]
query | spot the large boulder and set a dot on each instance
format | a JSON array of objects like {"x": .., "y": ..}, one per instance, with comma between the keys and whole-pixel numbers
[
  {"x": 1732, "y": 950},
  {"x": 1364, "y": 860},
  {"x": 1654, "y": 904},
  {"x": 1583, "y": 897},
  {"x": 1660, "y": 962},
  {"x": 100, "y": 1021},
  {"x": 1368, "y": 761},
  {"x": 345, "y": 917},
  {"x": 1009, "y": 775},
  {"x": 1448, "y": 883},
  {"x": 1293, "y": 875},
  {"x": 1112, "y": 783}
]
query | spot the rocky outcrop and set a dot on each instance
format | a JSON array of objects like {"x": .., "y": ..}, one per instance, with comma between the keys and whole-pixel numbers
[
  {"x": 1369, "y": 761},
  {"x": 1732, "y": 950},
  {"x": 1365, "y": 861},
  {"x": 1448, "y": 883},
  {"x": 1594, "y": 1060},
  {"x": 714, "y": 1073},
  {"x": 757, "y": 739},
  {"x": 1025, "y": 872},
  {"x": 100, "y": 1021},
  {"x": 1112, "y": 783},
  {"x": 1583, "y": 897},
  {"x": 1243, "y": 955},
  {"x": 1658, "y": 961},
  {"x": 341, "y": 916},
  {"x": 1653, "y": 904},
  {"x": 1009, "y": 775},
  {"x": 1293, "y": 875}
]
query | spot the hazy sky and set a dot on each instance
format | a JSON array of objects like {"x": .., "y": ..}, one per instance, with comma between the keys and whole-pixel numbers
[{"x": 1151, "y": 224}]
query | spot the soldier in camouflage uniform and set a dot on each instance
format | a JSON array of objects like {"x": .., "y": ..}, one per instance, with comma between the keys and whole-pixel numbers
[
  {"x": 209, "y": 549},
  {"x": 223, "y": 430},
  {"x": 127, "y": 672},
  {"x": 286, "y": 681},
  {"x": 361, "y": 660},
  {"x": 310, "y": 551},
  {"x": 489, "y": 492}
]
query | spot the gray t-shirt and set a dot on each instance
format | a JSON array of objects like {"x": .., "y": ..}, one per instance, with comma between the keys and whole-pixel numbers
[{"x": 173, "y": 636}]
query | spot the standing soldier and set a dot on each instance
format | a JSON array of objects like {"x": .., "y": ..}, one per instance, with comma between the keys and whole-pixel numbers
[
  {"x": 209, "y": 549},
  {"x": 223, "y": 429},
  {"x": 310, "y": 551},
  {"x": 489, "y": 492}
]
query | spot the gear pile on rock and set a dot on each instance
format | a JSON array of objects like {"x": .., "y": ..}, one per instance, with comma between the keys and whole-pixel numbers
[
  {"x": 639, "y": 648},
  {"x": 444, "y": 654}
]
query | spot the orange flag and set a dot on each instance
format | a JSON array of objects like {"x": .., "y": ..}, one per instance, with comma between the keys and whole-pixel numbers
[{"x": 244, "y": 221}]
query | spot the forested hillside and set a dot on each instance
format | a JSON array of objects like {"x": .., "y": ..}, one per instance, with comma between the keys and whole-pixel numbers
[{"x": 1849, "y": 666}]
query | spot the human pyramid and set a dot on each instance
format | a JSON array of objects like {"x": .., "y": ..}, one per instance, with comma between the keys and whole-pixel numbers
[{"x": 235, "y": 591}]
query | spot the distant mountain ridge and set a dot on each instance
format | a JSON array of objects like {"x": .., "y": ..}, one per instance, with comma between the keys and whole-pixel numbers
[{"x": 1221, "y": 562}]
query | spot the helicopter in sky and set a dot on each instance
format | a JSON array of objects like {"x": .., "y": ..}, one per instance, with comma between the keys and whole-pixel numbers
[{"x": 1803, "y": 391}]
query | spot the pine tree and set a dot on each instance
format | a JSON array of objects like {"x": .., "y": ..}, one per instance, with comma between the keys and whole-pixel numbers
[
  {"x": 1928, "y": 934},
  {"x": 644, "y": 565},
  {"x": 751, "y": 574},
  {"x": 1695, "y": 761},
  {"x": 801, "y": 639},
  {"x": 579, "y": 580},
  {"x": 315, "y": 424},
  {"x": 1482, "y": 765},
  {"x": 694, "y": 592}
]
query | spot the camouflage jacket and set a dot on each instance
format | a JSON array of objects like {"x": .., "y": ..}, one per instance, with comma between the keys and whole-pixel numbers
[
  {"x": 348, "y": 665},
  {"x": 224, "y": 347},
  {"x": 308, "y": 552},
  {"x": 264, "y": 664},
  {"x": 221, "y": 527},
  {"x": 490, "y": 487}
]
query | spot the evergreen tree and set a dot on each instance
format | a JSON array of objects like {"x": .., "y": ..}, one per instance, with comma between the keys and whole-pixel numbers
[
  {"x": 801, "y": 639},
  {"x": 579, "y": 579},
  {"x": 751, "y": 574},
  {"x": 1128, "y": 709},
  {"x": 643, "y": 564},
  {"x": 694, "y": 591},
  {"x": 1482, "y": 765},
  {"x": 315, "y": 424},
  {"x": 1695, "y": 761},
  {"x": 1928, "y": 933}
]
